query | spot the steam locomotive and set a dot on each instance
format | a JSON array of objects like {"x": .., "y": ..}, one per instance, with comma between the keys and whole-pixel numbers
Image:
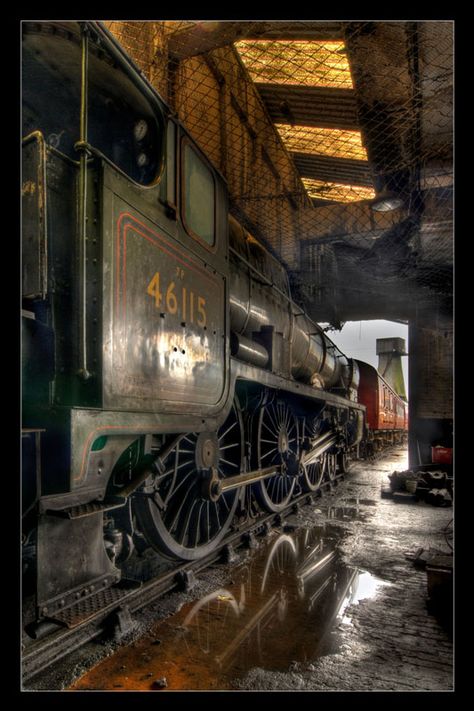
[{"x": 170, "y": 383}]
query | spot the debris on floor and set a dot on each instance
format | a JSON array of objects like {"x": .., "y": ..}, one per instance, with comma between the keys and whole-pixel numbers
[{"x": 434, "y": 487}]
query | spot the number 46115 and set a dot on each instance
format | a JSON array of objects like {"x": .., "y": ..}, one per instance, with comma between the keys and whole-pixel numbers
[{"x": 175, "y": 300}]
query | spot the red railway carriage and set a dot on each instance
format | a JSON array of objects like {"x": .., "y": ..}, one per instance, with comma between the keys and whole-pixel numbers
[{"x": 385, "y": 409}]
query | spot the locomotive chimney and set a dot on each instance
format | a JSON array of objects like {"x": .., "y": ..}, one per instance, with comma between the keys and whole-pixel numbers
[{"x": 390, "y": 352}]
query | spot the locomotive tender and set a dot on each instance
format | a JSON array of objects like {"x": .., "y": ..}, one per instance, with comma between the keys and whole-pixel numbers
[{"x": 169, "y": 380}]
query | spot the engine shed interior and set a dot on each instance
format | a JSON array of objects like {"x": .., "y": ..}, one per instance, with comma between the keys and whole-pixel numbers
[{"x": 204, "y": 203}]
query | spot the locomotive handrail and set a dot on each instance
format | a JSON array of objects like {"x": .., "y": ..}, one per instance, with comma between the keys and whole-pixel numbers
[
  {"x": 83, "y": 371},
  {"x": 89, "y": 149},
  {"x": 34, "y": 135}
]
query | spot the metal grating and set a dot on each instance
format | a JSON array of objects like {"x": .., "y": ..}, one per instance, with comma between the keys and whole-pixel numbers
[
  {"x": 249, "y": 91},
  {"x": 87, "y": 608},
  {"x": 299, "y": 62},
  {"x": 323, "y": 141}
]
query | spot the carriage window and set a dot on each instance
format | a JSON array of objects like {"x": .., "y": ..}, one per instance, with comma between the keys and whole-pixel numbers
[{"x": 199, "y": 198}]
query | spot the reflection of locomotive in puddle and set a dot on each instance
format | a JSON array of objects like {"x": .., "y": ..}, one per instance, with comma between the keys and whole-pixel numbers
[{"x": 282, "y": 608}]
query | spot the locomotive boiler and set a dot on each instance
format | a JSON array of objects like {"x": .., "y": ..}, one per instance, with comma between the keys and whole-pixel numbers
[
  {"x": 260, "y": 304},
  {"x": 170, "y": 383}
]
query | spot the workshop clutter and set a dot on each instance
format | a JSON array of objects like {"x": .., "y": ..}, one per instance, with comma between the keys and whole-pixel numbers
[{"x": 433, "y": 486}]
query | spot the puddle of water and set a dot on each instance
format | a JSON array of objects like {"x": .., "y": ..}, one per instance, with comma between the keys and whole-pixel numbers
[
  {"x": 365, "y": 587},
  {"x": 282, "y": 606},
  {"x": 345, "y": 513}
]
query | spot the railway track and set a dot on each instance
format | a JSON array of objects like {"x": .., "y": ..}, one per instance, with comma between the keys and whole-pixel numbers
[{"x": 110, "y": 615}]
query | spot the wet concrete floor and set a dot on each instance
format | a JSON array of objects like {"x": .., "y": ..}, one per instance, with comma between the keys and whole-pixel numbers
[
  {"x": 331, "y": 601},
  {"x": 280, "y": 608}
]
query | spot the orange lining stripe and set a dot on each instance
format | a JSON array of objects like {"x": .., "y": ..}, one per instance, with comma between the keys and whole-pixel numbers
[{"x": 189, "y": 264}]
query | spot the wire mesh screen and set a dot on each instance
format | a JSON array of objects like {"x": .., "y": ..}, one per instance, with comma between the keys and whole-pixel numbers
[{"x": 335, "y": 139}]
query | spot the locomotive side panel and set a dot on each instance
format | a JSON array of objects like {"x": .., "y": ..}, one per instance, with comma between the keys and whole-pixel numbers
[{"x": 164, "y": 335}]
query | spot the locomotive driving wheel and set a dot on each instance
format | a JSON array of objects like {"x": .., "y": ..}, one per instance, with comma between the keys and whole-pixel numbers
[
  {"x": 277, "y": 444},
  {"x": 313, "y": 473},
  {"x": 174, "y": 513}
]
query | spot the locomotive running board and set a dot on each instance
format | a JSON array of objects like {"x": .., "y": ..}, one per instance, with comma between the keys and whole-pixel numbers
[
  {"x": 244, "y": 371},
  {"x": 88, "y": 509}
]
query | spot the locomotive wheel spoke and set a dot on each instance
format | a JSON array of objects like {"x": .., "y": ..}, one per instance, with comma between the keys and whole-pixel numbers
[
  {"x": 276, "y": 444},
  {"x": 177, "y": 519}
]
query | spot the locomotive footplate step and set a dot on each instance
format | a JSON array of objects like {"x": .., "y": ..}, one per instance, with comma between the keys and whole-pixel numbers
[
  {"x": 87, "y": 509},
  {"x": 100, "y": 602}
]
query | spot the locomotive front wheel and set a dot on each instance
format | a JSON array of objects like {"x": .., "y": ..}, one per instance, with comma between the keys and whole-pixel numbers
[
  {"x": 178, "y": 520},
  {"x": 277, "y": 444}
]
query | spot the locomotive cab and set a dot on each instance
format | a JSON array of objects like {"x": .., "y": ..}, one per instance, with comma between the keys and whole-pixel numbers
[{"x": 141, "y": 289}]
